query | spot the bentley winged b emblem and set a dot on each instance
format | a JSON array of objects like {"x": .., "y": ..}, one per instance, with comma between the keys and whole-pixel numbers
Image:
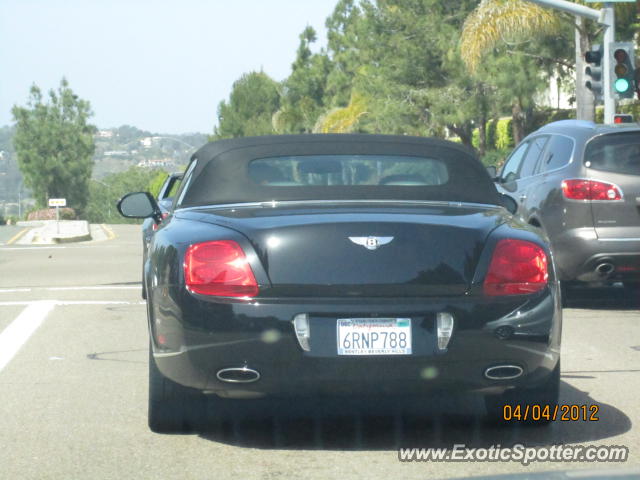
[{"x": 371, "y": 243}]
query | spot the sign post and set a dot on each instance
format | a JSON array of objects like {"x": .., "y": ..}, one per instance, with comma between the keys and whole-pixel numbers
[{"x": 57, "y": 202}]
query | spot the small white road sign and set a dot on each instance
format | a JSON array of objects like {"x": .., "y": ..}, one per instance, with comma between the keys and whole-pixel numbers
[{"x": 57, "y": 202}]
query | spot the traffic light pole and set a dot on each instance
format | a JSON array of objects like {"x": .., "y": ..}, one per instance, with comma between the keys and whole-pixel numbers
[
  {"x": 609, "y": 38},
  {"x": 606, "y": 18}
]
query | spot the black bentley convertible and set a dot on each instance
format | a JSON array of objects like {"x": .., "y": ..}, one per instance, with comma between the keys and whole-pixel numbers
[{"x": 340, "y": 265}]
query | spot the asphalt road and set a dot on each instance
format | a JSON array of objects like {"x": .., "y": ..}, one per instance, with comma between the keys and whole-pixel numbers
[{"x": 73, "y": 389}]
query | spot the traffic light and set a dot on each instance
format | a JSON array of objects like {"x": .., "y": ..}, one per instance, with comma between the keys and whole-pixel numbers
[
  {"x": 593, "y": 71},
  {"x": 623, "y": 70}
]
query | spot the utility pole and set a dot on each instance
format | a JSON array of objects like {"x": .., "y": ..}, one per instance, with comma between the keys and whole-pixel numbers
[
  {"x": 585, "y": 98},
  {"x": 609, "y": 37},
  {"x": 606, "y": 18}
]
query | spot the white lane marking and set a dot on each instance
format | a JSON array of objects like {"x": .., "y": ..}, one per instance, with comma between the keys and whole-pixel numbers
[
  {"x": 53, "y": 247},
  {"x": 72, "y": 302},
  {"x": 59, "y": 289},
  {"x": 18, "y": 332},
  {"x": 99, "y": 302},
  {"x": 33, "y": 248},
  {"x": 56, "y": 289}
]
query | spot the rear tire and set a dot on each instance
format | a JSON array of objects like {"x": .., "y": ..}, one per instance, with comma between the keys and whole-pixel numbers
[
  {"x": 173, "y": 408},
  {"x": 543, "y": 395}
]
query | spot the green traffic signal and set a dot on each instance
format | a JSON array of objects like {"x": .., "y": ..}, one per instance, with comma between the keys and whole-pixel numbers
[
  {"x": 622, "y": 85},
  {"x": 623, "y": 69}
]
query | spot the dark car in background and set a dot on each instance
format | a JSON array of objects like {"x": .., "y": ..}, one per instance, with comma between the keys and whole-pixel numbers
[
  {"x": 580, "y": 183},
  {"x": 164, "y": 201},
  {"x": 352, "y": 265}
]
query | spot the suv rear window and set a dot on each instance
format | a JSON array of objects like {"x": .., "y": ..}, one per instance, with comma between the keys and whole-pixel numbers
[{"x": 619, "y": 153}]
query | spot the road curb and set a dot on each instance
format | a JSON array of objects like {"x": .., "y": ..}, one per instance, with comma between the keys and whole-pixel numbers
[
  {"x": 51, "y": 233},
  {"x": 83, "y": 235},
  {"x": 77, "y": 238}
]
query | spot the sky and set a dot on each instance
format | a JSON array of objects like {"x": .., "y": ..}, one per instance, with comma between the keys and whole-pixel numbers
[{"x": 160, "y": 65}]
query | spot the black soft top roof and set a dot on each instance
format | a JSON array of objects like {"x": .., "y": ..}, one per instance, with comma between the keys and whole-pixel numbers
[
  {"x": 220, "y": 175},
  {"x": 213, "y": 149}
]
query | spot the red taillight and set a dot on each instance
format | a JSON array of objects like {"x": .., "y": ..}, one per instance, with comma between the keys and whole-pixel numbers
[
  {"x": 219, "y": 268},
  {"x": 155, "y": 225},
  {"x": 517, "y": 267},
  {"x": 581, "y": 189}
]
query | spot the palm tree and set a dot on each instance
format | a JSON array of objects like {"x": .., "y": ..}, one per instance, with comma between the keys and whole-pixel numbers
[
  {"x": 495, "y": 21},
  {"x": 343, "y": 120}
]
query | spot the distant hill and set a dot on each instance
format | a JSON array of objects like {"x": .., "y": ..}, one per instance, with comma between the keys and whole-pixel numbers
[{"x": 117, "y": 149}]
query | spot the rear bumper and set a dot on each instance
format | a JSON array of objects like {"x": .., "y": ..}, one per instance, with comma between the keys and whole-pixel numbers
[
  {"x": 202, "y": 337},
  {"x": 579, "y": 252}
]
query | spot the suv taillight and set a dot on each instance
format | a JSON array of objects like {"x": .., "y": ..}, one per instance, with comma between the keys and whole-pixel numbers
[
  {"x": 219, "y": 268},
  {"x": 517, "y": 267},
  {"x": 581, "y": 189}
]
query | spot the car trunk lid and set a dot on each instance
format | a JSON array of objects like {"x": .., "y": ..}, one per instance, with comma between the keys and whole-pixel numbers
[{"x": 364, "y": 251}]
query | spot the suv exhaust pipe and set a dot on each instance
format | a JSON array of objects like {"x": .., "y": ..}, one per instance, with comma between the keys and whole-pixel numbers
[{"x": 605, "y": 269}]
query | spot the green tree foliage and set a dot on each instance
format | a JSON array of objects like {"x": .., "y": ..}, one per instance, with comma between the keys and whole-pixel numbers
[
  {"x": 343, "y": 120},
  {"x": 400, "y": 55},
  {"x": 397, "y": 67},
  {"x": 156, "y": 183},
  {"x": 54, "y": 144},
  {"x": 253, "y": 101},
  {"x": 303, "y": 93},
  {"x": 488, "y": 24},
  {"x": 504, "y": 136},
  {"x": 344, "y": 38},
  {"x": 105, "y": 193}
]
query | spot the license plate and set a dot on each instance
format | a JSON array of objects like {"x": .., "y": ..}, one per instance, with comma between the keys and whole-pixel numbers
[{"x": 374, "y": 336}]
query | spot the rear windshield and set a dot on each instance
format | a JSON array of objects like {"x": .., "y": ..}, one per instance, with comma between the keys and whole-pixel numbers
[
  {"x": 331, "y": 170},
  {"x": 619, "y": 153}
]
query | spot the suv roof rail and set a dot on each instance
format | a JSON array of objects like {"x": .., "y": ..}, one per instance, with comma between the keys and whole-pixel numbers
[{"x": 572, "y": 123}]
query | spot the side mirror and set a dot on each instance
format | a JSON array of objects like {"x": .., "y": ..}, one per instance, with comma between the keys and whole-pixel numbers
[
  {"x": 139, "y": 205},
  {"x": 492, "y": 171},
  {"x": 509, "y": 203}
]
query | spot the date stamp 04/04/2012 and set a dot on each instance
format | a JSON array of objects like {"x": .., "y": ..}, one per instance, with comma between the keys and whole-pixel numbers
[{"x": 545, "y": 413}]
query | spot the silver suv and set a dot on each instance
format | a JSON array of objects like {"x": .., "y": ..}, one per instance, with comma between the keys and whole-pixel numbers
[{"x": 580, "y": 183}]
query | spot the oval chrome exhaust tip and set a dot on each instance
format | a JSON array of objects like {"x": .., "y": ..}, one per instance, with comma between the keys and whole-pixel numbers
[
  {"x": 238, "y": 375},
  {"x": 503, "y": 372}
]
